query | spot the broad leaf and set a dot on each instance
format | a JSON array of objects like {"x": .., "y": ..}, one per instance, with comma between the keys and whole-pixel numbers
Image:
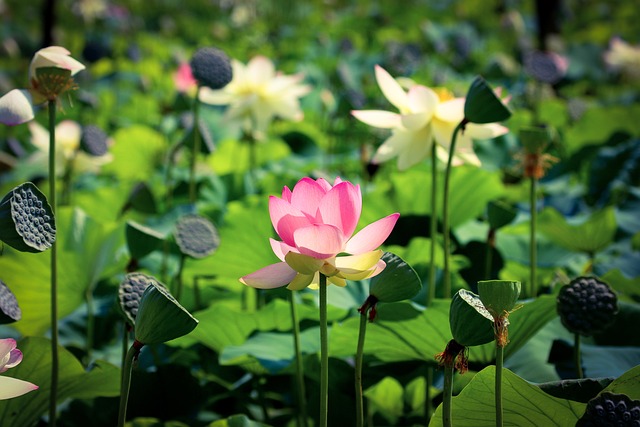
[
  {"x": 590, "y": 236},
  {"x": 524, "y": 404},
  {"x": 102, "y": 379}
]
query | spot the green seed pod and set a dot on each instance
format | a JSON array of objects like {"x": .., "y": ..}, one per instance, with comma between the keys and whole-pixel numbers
[
  {"x": 9, "y": 309},
  {"x": 482, "y": 105},
  {"x": 196, "y": 236},
  {"x": 26, "y": 219},
  {"x": 397, "y": 282},
  {"x": 130, "y": 293},
  {"x": 499, "y": 296},
  {"x": 142, "y": 240},
  {"x": 471, "y": 324},
  {"x": 161, "y": 318}
]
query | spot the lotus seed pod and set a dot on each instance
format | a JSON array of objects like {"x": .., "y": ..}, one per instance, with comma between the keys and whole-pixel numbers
[
  {"x": 196, "y": 236},
  {"x": 9, "y": 309},
  {"x": 26, "y": 219},
  {"x": 94, "y": 141},
  {"x": 587, "y": 305},
  {"x": 52, "y": 82},
  {"x": 161, "y": 318},
  {"x": 482, "y": 105},
  {"x": 609, "y": 409},
  {"x": 130, "y": 293},
  {"x": 470, "y": 322},
  {"x": 211, "y": 67},
  {"x": 499, "y": 296}
]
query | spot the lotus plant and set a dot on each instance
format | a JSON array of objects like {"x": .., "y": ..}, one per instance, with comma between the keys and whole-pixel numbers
[
  {"x": 316, "y": 222},
  {"x": 10, "y": 357}
]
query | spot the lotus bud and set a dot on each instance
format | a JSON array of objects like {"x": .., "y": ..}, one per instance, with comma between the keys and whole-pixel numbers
[
  {"x": 482, "y": 105},
  {"x": 499, "y": 296},
  {"x": 161, "y": 318}
]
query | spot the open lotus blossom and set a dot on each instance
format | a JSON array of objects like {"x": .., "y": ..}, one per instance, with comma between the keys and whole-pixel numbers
[
  {"x": 68, "y": 153},
  {"x": 10, "y": 357},
  {"x": 257, "y": 94},
  {"x": 316, "y": 222},
  {"x": 17, "y": 106},
  {"x": 623, "y": 57},
  {"x": 424, "y": 117}
]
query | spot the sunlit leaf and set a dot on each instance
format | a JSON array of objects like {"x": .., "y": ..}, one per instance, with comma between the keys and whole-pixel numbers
[
  {"x": 590, "y": 236},
  {"x": 102, "y": 379},
  {"x": 524, "y": 404},
  {"x": 386, "y": 398}
]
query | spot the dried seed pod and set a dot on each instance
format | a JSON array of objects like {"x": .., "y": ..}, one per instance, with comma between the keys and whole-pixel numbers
[
  {"x": 609, "y": 409},
  {"x": 587, "y": 305},
  {"x": 9, "y": 309},
  {"x": 196, "y": 236},
  {"x": 211, "y": 67},
  {"x": 94, "y": 141},
  {"x": 130, "y": 293}
]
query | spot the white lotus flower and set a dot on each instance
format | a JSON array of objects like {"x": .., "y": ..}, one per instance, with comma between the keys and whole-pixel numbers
[
  {"x": 257, "y": 94},
  {"x": 424, "y": 117}
]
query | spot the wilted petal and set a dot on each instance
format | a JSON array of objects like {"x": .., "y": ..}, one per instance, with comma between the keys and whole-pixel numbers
[
  {"x": 300, "y": 282},
  {"x": 319, "y": 240},
  {"x": 286, "y": 219},
  {"x": 354, "y": 264},
  {"x": 12, "y": 387},
  {"x": 16, "y": 107},
  {"x": 341, "y": 207},
  {"x": 303, "y": 264},
  {"x": 54, "y": 56},
  {"x": 372, "y": 236},
  {"x": 378, "y": 118},
  {"x": 392, "y": 89},
  {"x": 269, "y": 277},
  {"x": 306, "y": 196}
]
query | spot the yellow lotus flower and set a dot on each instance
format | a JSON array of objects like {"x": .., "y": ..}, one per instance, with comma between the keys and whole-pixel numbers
[
  {"x": 424, "y": 117},
  {"x": 257, "y": 94}
]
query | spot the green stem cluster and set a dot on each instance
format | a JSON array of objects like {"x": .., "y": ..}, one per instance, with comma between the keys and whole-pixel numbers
[
  {"x": 54, "y": 268},
  {"x": 302, "y": 399},
  {"x": 445, "y": 211},
  {"x": 324, "y": 354},
  {"x": 358, "y": 378}
]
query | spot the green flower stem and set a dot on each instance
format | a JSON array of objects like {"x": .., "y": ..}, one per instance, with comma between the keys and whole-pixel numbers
[
  {"x": 489, "y": 255},
  {"x": 53, "y": 397},
  {"x": 359, "y": 353},
  {"x": 324, "y": 354},
  {"x": 178, "y": 290},
  {"x": 90, "y": 322},
  {"x": 428, "y": 406},
  {"x": 125, "y": 345},
  {"x": 302, "y": 400},
  {"x": 447, "y": 394},
  {"x": 433, "y": 225},
  {"x": 253, "y": 164},
  {"x": 133, "y": 352},
  {"x": 576, "y": 357},
  {"x": 498, "y": 386},
  {"x": 533, "y": 251},
  {"x": 196, "y": 147},
  {"x": 445, "y": 211}
]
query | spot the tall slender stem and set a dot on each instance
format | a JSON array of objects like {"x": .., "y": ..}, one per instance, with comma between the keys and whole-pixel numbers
[
  {"x": 324, "y": 354},
  {"x": 178, "y": 290},
  {"x": 359, "y": 353},
  {"x": 498, "y": 386},
  {"x": 445, "y": 211},
  {"x": 489, "y": 255},
  {"x": 533, "y": 251},
  {"x": 196, "y": 147},
  {"x": 447, "y": 394},
  {"x": 302, "y": 399},
  {"x": 54, "y": 268},
  {"x": 90, "y": 322},
  {"x": 576, "y": 356},
  {"x": 433, "y": 225},
  {"x": 428, "y": 405},
  {"x": 126, "y": 381}
]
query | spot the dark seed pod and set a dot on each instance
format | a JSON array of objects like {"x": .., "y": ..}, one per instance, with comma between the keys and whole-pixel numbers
[
  {"x": 196, "y": 236},
  {"x": 609, "y": 409},
  {"x": 130, "y": 292},
  {"x": 211, "y": 67},
  {"x": 93, "y": 141},
  {"x": 9, "y": 309},
  {"x": 26, "y": 219},
  {"x": 587, "y": 305}
]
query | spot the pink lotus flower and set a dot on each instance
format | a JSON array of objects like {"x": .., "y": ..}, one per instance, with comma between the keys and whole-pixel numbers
[
  {"x": 10, "y": 357},
  {"x": 316, "y": 222}
]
